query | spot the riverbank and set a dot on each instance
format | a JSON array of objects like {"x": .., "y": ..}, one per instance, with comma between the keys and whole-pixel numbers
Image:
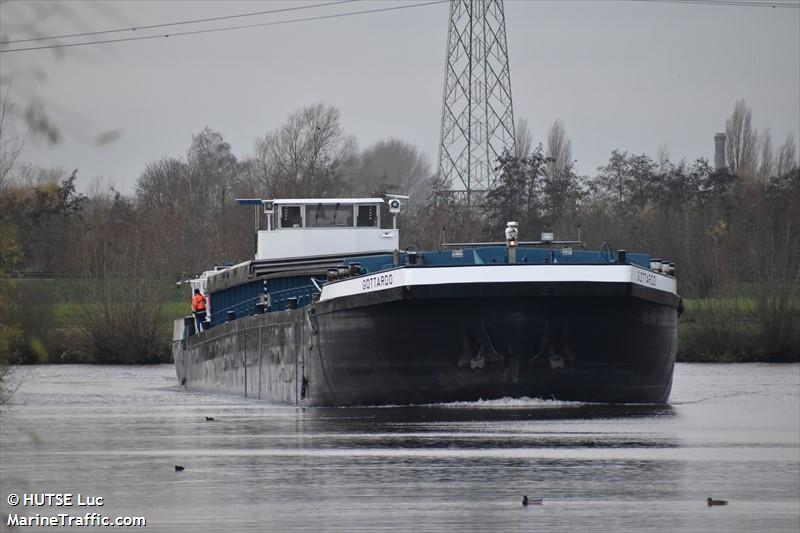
[
  {"x": 739, "y": 329},
  {"x": 68, "y": 321},
  {"x": 80, "y": 321}
]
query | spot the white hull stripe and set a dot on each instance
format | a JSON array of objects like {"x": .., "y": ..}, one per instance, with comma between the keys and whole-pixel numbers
[{"x": 409, "y": 277}]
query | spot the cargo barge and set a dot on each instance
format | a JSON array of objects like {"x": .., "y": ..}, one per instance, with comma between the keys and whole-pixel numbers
[{"x": 331, "y": 312}]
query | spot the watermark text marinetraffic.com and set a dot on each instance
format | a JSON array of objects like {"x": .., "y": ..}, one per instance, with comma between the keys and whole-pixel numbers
[{"x": 67, "y": 510}]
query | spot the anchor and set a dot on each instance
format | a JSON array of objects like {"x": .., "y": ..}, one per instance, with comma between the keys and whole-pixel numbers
[
  {"x": 554, "y": 350},
  {"x": 477, "y": 354}
]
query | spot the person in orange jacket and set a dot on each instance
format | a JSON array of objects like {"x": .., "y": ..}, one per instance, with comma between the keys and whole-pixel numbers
[{"x": 199, "y": 309}]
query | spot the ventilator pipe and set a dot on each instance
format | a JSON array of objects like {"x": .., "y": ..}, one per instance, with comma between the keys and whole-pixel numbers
[
  {"x": 622, "y": 257},
  {"x": 512, "y": 232}
]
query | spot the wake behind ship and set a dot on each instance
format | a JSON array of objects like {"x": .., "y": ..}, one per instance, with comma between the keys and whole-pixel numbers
[{"x": 331, "y": 312}]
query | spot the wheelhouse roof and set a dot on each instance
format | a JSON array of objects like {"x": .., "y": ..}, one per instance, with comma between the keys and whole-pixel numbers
[{"x": 328, "y": 201}]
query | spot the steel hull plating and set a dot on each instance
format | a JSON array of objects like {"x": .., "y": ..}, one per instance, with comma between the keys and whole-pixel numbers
[
  {"x": 570, "y": 341},
  {"x": 445, "y": 346}
]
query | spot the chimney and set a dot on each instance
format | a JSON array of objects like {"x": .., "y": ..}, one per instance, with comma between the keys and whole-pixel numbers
[{"x": 719, "y": 152}]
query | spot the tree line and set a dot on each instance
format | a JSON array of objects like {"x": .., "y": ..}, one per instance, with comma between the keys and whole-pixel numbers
[{"x": 732, "y": 232}]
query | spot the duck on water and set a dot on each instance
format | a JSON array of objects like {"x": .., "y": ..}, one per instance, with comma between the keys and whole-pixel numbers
[{"x": 532, "y": 501}]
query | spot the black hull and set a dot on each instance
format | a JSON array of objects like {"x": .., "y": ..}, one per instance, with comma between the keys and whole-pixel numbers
[
  {"x": 445, "y": 345},
  {"x": 571, "y": 341}
]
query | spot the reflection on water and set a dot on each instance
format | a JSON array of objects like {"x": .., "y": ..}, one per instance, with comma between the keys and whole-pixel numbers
[{"x": 732, "y": 432}]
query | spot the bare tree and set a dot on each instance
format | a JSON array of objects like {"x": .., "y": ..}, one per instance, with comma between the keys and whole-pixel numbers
[
  {"x": 120, "y": 262},
  {"x": 787, "y": 157},
  {"x": 742, "y": 141},
  {"x": 212, "y": 170},
  {"x": 28, "y": 175},
  {"x": 302, "y": 157},
  {"x": 213, "y": 176},
  {"x": 11, "y": 145},
  {"x": 163, "y": 185},
  {"x": 767, "y": 157},
  {"x": 559, "y": 150},
  {"x": 559, "y": 189},
  {"x": 524, "y": 139},
  {"x": 663, "y": 158},
  {"x": 391, "y": 166}
]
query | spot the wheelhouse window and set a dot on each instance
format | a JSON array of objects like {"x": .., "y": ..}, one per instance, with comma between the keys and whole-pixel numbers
[
  {"x": 291, "y": 216},
  {"x": 329, "y": 216},
  {"x": 367, "y": 216}
]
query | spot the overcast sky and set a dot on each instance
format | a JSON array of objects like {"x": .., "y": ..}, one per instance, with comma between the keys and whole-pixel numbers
[{"x": 621, "y": 74}]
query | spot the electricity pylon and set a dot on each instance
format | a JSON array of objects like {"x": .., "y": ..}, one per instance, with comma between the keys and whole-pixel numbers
[{"x": 477, "y": 113}]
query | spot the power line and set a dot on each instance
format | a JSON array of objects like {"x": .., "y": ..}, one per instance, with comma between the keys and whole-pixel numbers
[
  {"x": 739, "y": 3},
  {"x": 177, "y": 23},
  {"x": 227, "y": 28}
]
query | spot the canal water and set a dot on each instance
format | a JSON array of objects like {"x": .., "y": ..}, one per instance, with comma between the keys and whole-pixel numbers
[{"x": 731, "y": 432}]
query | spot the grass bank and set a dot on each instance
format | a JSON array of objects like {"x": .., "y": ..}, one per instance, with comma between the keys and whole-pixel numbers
[
  {"x": 739, "y": 329},
  {"x": 59, "y": 322},
  {"x": 52, "y": 315}
]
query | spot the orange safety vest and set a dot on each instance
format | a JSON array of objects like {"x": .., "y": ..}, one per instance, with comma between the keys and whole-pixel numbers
[{"x": 198, "y": 303}]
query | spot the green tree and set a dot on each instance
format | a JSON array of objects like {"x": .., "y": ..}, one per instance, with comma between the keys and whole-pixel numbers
[
  {"x": 44, "y": 216},
  {"x": 10, "y": 331},
  {"x": 631, "y": 180},
  {"x": 516, "y": 195}
]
